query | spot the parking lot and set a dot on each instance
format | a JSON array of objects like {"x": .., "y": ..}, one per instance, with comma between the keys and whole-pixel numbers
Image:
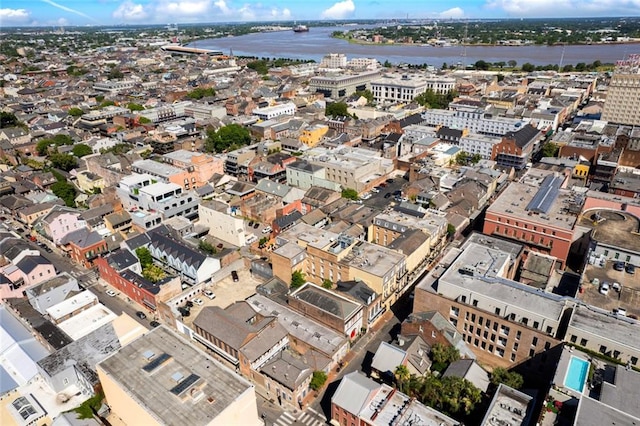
[
  {"x": 385, "y": 196},
  {"x": 227, "y": 291},
  {"x": 628, "y": 297}
]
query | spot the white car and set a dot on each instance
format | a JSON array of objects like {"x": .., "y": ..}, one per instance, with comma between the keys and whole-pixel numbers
[
  {"x": 110, "y": 293},
  {"x": 366, "y": 196},
  {"x": 267, "y": 230},
  {"x": 621, "y": 312},
  {"x": 604, "y": 288},
  {"x": 252, "y": 239},
  {"x": 198, "y": 302},
  {"x": 211, "y": 295}
]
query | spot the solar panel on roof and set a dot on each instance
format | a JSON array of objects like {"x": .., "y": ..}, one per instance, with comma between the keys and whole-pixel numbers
[
  {"x": 185, "y": 384},
  {"x": 546, "y": 195},
  {"x": 155, "y": 363}
]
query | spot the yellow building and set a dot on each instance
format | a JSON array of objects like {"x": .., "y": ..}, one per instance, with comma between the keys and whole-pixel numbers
[
  {"x": 87, "y": 181},
  {"x": 312, "y": 135},
  {"x": 162, "y": 379},
  {"x": 581, "y": 170}
]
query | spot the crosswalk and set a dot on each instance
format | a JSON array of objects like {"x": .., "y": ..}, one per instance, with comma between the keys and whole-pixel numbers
[{"x": 309, "y": 417}]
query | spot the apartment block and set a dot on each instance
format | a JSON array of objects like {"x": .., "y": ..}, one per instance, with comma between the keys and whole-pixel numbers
[
  {"x": 474, "y": 119},
  {"x": 342, "y": 84},
  {"x": 623, "y": 94},
  {"x": 222, "y": 224}
]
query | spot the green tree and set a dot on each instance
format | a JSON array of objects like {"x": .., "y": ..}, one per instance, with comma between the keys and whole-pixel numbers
[
  {"x": 350, "y": 194},
  {"x": 66, "y": 192},
  {"x": 153, "y": 273},
  {"x": 550, "y": 149},
  {"x": 336, "y": 109},
  {"x": 318, "y": 379},
  {"x": 482, "y": 65},
  {"x": 144, "y": 120},
  {"x": 64, "y": 162},
  {"x": 75, "y": 112},
  {"x": 509, "y": 378},
  {"x": 207, "y": 247},
  {"x": 144, "y": 256},
  {"x": 527, "y": 67},
  {"x": 402, "y": 376},
  {"x": 42, "y": 147},
  {"x": 297, "y": 279},
  {"x": 387, "y": 64},
  {"x": 115, "y": 73},
  {"x": 462, "y": 158},
  {"x": 259, "y": 66},
  {"x": 451, "y": 230},
  {"x": 132, "y": 106},
  {"x": 263, "y": 242},
  {"x": 444, "y": 354},
  {"x": 512, "y": 63},
  {"x": 80, "y": 150},
  {"x": 431, "y": 99},
  {"x": 327, "y": 283},
  {"x": 200, "y": 93},
  {"x": 8, "y": 119},
  {"x": 105, "y": 104},
  {"x": 366, "y": 94},
  {"x": 229, "y": 137}
]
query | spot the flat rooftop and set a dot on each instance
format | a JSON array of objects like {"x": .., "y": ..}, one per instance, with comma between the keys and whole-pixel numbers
[
  {"x": 161, "y": 369},
  {"x": 373, "y": 259},
  {"x": 514, "y": 202},
  {"x": 607, "y": 326},
  {"x": 592, "y": 412},
  {"x": 398, "y": 221},
  {"x": 479, "y": 269},
  {"x": 155, "y": 168},
  {"x": 613, "y": 228},
  {"x": 71, "y": 304},
  {"x": 300, "y": 327},
  {"x": 508, "y": 407},
  {"x": 87, "y": 321}
]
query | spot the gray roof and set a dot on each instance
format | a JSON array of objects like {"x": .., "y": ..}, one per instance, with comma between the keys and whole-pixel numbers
[
  {"x": 326, "y": 301},
  {"x": 387, "y": 358},
  {"x": 287, "y": 369},
  {"x": 83, "y": 353},
  {"x": 354, "y": 391},
  {"x": 624, "y": 393},
  {"x": 469, "y": 369},
  {"x": 156, "y": 389},
  {"x": 357, "y": 290},
  {"x": 29, "y": 263},
  {"x": 121, "y": 259},
  {"x": 83, "y": 237},
  {"x": 163, "y": 242},
  {"x": 594, "y": 413},
  {"x": 273, "y": 188}
]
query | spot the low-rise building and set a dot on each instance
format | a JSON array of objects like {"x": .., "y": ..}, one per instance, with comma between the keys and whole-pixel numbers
[
  {"x": 161, "y": 378},
  {"x": 222, "y": 223}
]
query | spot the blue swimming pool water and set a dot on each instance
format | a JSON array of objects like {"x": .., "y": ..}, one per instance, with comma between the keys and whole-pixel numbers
[{"x": 576, "y": 374}]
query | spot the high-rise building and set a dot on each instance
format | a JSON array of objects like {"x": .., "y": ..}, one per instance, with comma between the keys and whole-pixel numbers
[{"x": 623, "y": 96}]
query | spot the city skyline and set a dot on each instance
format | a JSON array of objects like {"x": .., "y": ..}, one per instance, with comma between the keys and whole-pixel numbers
[{"x": 110, "y": 12}]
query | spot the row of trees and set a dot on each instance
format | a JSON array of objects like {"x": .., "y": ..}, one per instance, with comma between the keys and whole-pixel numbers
[
  {"x": 227, "y": 138},
  {"x": 431, "y": 99}
]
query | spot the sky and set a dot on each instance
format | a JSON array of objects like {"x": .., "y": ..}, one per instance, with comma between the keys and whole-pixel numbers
[{"x": 109, "y": 12}]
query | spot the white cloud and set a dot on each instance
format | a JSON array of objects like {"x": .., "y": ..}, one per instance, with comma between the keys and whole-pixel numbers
[
  {"x": 340, "y": 10},
  {"x": 14, "y": 16},
  {"x": 130, "y": 12},
  {"x": 176, "y": 10},
  {"x": 222, "y": 6},
  {"x": 280, "y": 14},
  {"x": 568, "y": 8},
  {"x": 453, "y": 13}
]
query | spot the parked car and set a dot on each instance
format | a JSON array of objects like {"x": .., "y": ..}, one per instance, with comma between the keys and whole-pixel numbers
[
  {"x": 618, "y": 266},
  {"x": 366, "y": 196},
  {"x": 198, "y": 302},
  {"x": 256, "y": 225},
  {"x": 267, "y": 230},
  {"x": 209, "y": 294},
  {"x": 234, "y": 276},
  {"x": 251, "y": 239},
  {"x": 631, "y": 269},
  {"x": 250, "y": 223},
  {"x": 141, "y": 315},
  {"x": 616, "y": 287},
  {"x": 387, "y": 195},
  {"x": 189, "y": 304},
  {"x": 621, "y": 312},
  {"x": 154, "y": 324},
  {"x": 376, "y": 190},
  {"x": 390, "y": 181},
  {"x": 183, "y": 311},
  {"x": 604, "y": 288},
  {"x": 110, "y": 293}
]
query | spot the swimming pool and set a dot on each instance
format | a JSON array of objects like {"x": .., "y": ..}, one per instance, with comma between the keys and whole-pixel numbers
[{"x": 576, "y": 374}]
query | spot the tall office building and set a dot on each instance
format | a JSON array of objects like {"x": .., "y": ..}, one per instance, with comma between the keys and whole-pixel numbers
[{"x": 623, "y": 96}]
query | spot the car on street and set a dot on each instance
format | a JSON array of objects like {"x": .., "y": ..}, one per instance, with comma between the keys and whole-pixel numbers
[
  {"x": 211, "y": 295},
  {"x": 188, "y": 304},
  {"x": 604, "y": 288},
  {"x": 267, "y": 230},
  {"x": 141, "y": 315},
  {"x": 251, "y": 224},
  {"x": 251, "y": 239},
  {"x": 154, "y": 324},
  {"x": 234, "y": 276},
  {"x": 198, "y": 302},
  {"x": 110, "y": 293},
  {"x": 390, "y": 180},
  {"x": 618, "y": 266},
  {"x": 621, "y": 312},
  {"x": 366, "y": 196},
  {"x": 631, "y": 269},
  {"x": 376, "y": 189}
]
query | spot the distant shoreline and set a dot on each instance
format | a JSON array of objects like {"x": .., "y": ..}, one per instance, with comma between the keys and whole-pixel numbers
[{"x": 371, "y": 43}]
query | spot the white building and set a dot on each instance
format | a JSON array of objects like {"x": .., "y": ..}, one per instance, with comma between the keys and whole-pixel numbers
[
  {"x": 475, "y": 143},
  {"x": 333, "y": 60},
  {"x": 475, "y": 120},
  {"x": 270, "y": 112},
  {"x": 397, "y": 88},
  {"x": 114, "y": 86},
  {"x": 370, "y": 64},
  {"x": 217, "y": 216}
]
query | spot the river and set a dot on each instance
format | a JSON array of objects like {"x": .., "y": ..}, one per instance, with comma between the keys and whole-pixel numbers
[{"x": 318, "y": 42}]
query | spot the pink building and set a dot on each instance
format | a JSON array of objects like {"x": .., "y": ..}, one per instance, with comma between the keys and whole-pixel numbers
[
  {"x": 58, "y": 223},
  {"x": 27, "y": 272}
]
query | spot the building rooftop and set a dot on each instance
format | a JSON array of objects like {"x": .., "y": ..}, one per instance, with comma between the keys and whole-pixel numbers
[
  {"x": 327, "y": 301},
  {"x": 299, "y": 326},
  {"x": 607, "y": 326},
  {"x": 479, "y": 269},
  {"x": 160, "y": 188},
  {"x": 71, "y": 304},
  {"x": 387, "y": 358},
  {"x": 173, "y": 380},
  {"x": 547, "y": 206},
  {"x": 508, "y": 407},
  {"x": 155, "y": 168},
  {"x": 48, "y": 285},
  {"x": 373, "y": 259},
  {"x": 624, "y": 392},
  {"x": 87, "y": 321},
  {"x": 613, "y": 228},
  {"x": 592, "y": 412}
]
